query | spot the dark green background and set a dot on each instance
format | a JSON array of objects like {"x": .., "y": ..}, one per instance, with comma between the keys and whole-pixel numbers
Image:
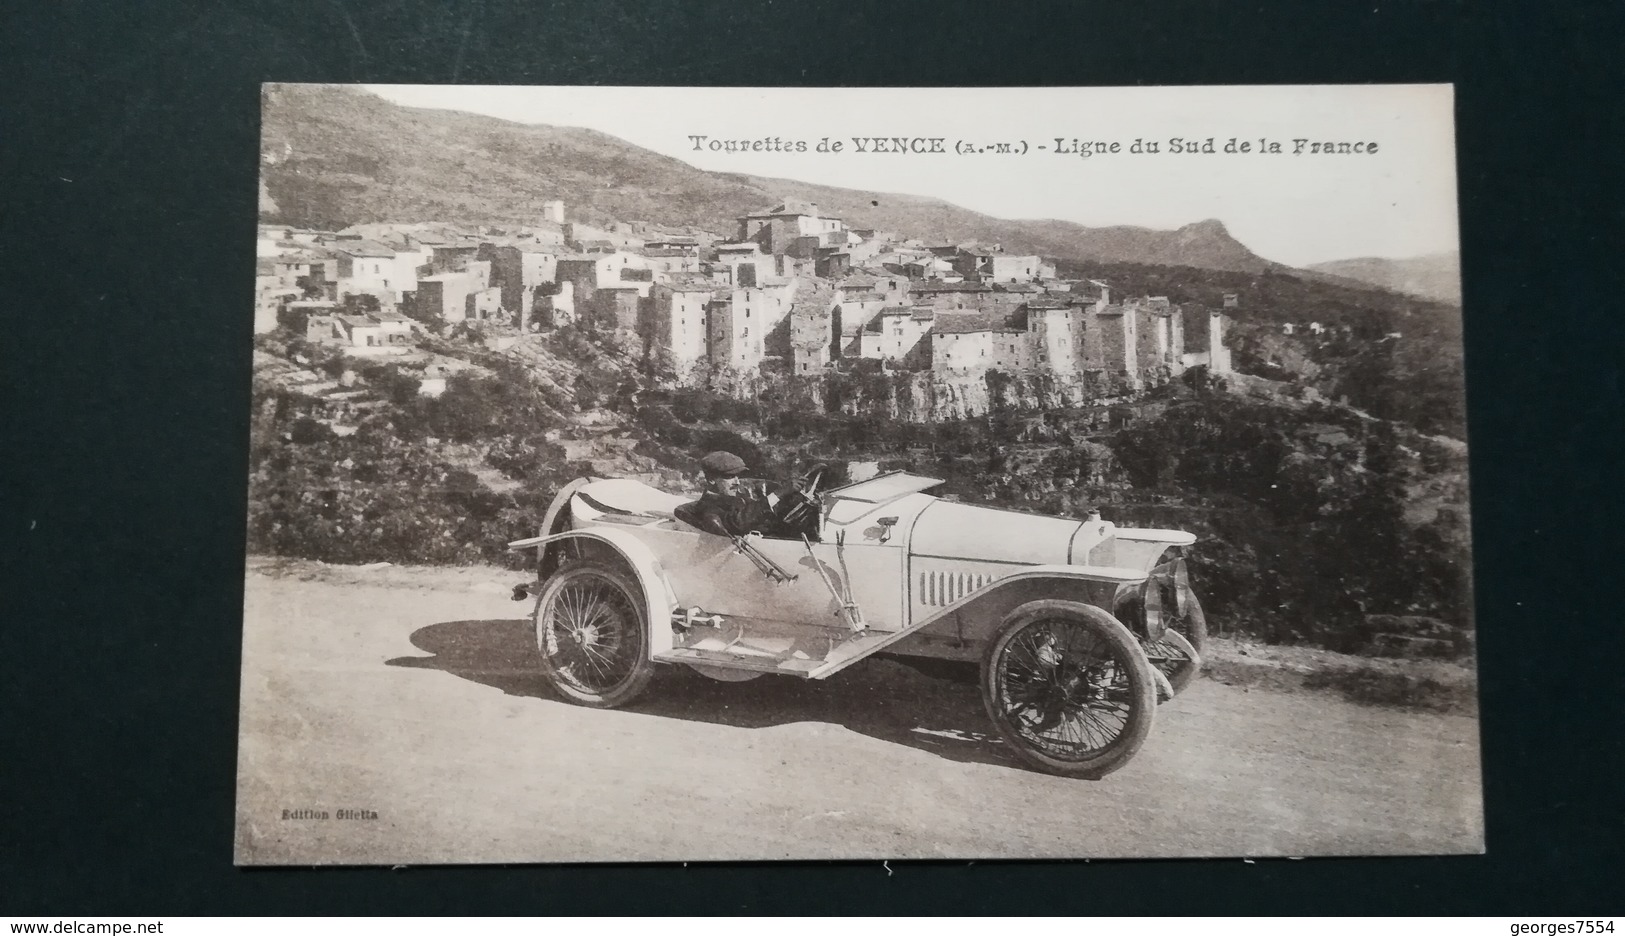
[{"x": 128, "y": 135}]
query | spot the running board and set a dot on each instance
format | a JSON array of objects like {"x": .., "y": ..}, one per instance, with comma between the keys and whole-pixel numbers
[{"x": 752, "y": 656}]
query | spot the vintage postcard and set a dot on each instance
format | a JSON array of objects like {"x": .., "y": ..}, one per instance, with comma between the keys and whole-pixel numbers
[{"x": 698, "y": 474}]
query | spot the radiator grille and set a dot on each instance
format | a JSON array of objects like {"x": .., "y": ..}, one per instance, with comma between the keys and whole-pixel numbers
[{"x": 938, "y": 589}]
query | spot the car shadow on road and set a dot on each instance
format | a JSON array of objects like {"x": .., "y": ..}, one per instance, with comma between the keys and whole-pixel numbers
[{"x": 880, "y": 698}]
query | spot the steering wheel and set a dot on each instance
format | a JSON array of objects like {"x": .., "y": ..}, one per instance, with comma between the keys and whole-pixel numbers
[{"x": 798, "y": 507}]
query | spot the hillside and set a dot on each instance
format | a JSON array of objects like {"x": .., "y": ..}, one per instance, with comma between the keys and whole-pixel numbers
[
  {"x": 338, "y": 155},
  {"x": 1284, "y": 494},
  {"x": 1434, "y": 276}
]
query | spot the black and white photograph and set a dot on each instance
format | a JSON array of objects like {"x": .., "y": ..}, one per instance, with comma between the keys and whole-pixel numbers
[{"x": 716, "y": 474}]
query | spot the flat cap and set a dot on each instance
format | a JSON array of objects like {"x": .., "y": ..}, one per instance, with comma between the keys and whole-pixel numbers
[{"x": 722, "y": 465}]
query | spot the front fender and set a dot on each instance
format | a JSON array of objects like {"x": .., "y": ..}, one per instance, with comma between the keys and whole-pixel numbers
[{"x": 638, "y": 559}]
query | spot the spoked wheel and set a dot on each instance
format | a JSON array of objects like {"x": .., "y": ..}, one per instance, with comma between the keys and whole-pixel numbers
[
  {"x": 593, "y": 635},
  {"x": 1069, "y": 688}
]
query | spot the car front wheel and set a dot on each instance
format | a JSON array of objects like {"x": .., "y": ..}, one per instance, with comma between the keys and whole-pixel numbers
[
  {"x": 593, "y": 635},
  {"x": 1068, "y": 688}
]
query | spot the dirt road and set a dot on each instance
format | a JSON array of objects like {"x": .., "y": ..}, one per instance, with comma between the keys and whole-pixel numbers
[{"x": 411, "y": 695}]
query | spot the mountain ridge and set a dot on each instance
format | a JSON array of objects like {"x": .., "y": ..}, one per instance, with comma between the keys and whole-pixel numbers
[
  {"x": 336, "y": 155},
  {"x": 1430, "y": 276}
]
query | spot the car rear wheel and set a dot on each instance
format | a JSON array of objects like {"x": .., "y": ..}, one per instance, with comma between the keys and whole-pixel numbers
[
  {"x": 1068, "y": 688},
  {"x": 593, "y": 635}
]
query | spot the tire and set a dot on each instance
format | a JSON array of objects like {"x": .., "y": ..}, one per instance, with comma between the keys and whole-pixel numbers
[
  {"x": 1043, "y": 653},
  {"x": 592, "y": 635}
]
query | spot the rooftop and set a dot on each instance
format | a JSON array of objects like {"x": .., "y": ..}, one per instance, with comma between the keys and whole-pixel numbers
[
  {"x": 687, "y": 282},
  {"x": 792, "y": 207},
  {"x": 301, "y": 255},
  {"x": 950, "y": 287},
  {"x": 966, "y": 323},
  {"x": 363, "y": 248}
]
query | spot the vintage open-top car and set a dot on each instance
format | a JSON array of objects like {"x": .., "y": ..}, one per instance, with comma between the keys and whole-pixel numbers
[{"x": 1080, "y": 627}]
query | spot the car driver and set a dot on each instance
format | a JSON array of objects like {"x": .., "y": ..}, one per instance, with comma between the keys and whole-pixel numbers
[{"x": 726, "y": 508}]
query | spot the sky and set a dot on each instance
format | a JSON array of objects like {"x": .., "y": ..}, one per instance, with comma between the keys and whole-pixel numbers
[{"x": 1293, "y": 208}]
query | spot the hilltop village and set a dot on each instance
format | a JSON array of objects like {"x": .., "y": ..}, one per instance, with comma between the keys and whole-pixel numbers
[
  {"x": 422, "y": 391},
  {"x": 792, "y": 292}
]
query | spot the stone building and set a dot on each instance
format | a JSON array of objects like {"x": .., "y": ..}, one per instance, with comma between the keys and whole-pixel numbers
[
  {"x": 792, "y": 226},
  {"x": 901, "y": 335},
  {"x": 812, "y": 327},
  {"x": 518, "y": 269},
  {"x": 1111, "y": 344},
  {"x": 444, "y": 296},
  {"x": 1057, "y": 331},
  {"x": 675, "y": 329},
  {"x": 972, "y": 343}
]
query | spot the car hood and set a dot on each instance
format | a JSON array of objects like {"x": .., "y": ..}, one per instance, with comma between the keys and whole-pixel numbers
[{"x": 961, "y": 531}]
